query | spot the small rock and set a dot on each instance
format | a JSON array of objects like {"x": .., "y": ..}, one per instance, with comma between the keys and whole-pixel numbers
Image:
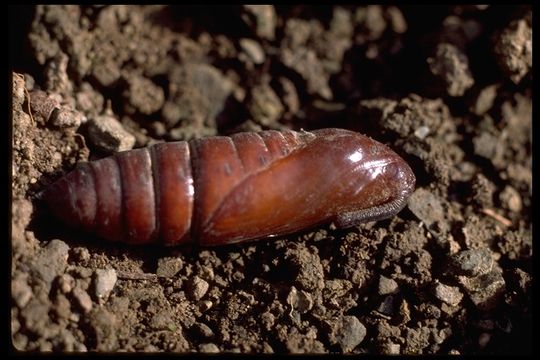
[
  {"x": 67, "y": 118},
  {"x": 205, "y": 305},
  {"x": 202, "y": 330},
  {"x": 107, "y": 133},
  {"x": 168, "y": 267},
  {"x": 253, "y": 49},
  {"x": 386, "y": 307},
  {"x": 448, "y": 294},
  {"x": 510, "y": 199},
  {"x": 20, "y": 292},
  {"x": 471, "y": 262},
  {"x": 387, "y": 286},
  {"x": 421, "y": 132},
  {"x": 197, "y": 288},
  {"x": 485, "y": 145},
  {"x": 104, "y": 282},
  {"x": 347, "y": 332},
  {"x": 485, "y": 290},
  {"x": 51, "y": 261},
  {"x": 42, "y": 104},
  {"x": 83, "y": 299},
  {"x": 208, "y": 348},
  {"x": 484, "y": 100},
  {"x": 300, "y": 301},
  {"x": 263, "y": 19},
  {"x": 390, "y": 348}
]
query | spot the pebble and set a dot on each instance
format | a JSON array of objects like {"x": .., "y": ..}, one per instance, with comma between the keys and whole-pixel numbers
[
  {"x": 253, "y": 49},
  {"x": 168, "y": 267},
  {"x": 485, "y": 100},
  {"x": 202, "y": 330},
  {"x": 197, "y": 288},
  {"x": 422, "y": 132},
  {"x": 391, "y": 348},
  {"x": 511, "y": 199},
  {"x": 386, "y": 307},
  {"x": 104, "y": 282},
  {"x": 485, "y": 145},
  {"x": 348, "y": 332},
  {"x": 300, "y": 301},
  {"x": 208, "y": 348},
  {"x": 471, "y": 262},
  {"x": 264, "y": 20},
  {"x": 387, "y": 286},
  {"x": 52, "y": 261},
  {"x": 83, "y": 299},
  {"x": 107, "y": 133},
  {"x": 448, "y": 294},
  {"x": 485, "y": 290},
  {"x": 205, "y": 305},
  {"x": 67, "y": 118}
]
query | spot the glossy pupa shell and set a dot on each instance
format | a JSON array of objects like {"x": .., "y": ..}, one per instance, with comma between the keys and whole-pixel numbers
[{"x": 222, "y": 190}]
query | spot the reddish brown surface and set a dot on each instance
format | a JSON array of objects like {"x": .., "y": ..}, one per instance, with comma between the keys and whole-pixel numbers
[
  {"x": 446, "y": 87},
  {"x": 246, "y": 187},
  {"x": 297, "y": 189},
  {"x": 174, "y": 186}
]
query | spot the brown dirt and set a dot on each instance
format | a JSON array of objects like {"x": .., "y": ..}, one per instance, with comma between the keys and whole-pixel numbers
[{"x": 449, "y": 88}]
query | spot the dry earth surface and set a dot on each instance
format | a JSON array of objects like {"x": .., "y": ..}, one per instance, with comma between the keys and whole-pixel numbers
[{"x": 447, "y": 87}]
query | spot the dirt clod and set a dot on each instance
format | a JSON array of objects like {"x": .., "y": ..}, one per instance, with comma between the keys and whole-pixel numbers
[
  {"x": 104, "y": 282},
  {"x": 108, "y": 135},
  {"x": 347, "y": 332}
]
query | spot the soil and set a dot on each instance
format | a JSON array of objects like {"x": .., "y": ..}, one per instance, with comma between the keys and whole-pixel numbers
[{"x": 447, "y": 87}]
